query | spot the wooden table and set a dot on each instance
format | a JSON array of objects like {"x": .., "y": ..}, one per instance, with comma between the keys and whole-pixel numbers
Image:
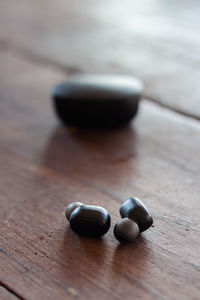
[{"x": 44, "y": 167}]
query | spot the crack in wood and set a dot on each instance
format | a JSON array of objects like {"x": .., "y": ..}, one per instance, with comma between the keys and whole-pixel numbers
[
  {"x": 11, "y": 291},
  {"x": 171, "y": 108},
  {"x": 38, "y": 59}
]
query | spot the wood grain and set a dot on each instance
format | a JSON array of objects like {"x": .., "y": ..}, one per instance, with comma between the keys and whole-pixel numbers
[
  {"x": 156, "y": 41},
  {"x": 44, "y": 167}
]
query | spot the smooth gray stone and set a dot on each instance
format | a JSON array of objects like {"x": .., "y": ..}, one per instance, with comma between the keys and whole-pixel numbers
[
  {"x": 70, "y": 208},
  {"x": 126, "y": 231},
  {"x": 97, "y": 100}
]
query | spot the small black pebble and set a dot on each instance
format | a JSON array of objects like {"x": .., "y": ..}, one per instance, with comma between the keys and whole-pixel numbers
[
  {"x": 97, "y": 100},
  {"x": 134, "y": 209},
  {"x": 90, "y": 221}
]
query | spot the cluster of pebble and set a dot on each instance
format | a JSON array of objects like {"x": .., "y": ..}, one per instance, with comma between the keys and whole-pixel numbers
[{"x": 94, "y": 221}]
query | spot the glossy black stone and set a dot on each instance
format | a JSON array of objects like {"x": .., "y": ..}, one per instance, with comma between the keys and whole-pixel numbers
[
  {"x": 97, "y": 100},
  {"x": 90, "y": 221},
  {"x": 135, "y": 210}
]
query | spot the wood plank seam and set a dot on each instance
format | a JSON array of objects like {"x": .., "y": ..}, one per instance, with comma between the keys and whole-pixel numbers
[
  {"x": 27, "y": 55},
  {"x": 11, "y": 291},
  {"x": 169, "y": 107}
]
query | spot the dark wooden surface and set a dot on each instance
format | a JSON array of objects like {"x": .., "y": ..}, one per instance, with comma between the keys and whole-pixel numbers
[{"x": 44, "y": 167}]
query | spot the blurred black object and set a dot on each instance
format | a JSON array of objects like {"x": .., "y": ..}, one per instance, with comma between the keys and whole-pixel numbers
[{"x": 97, "y": 101}]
